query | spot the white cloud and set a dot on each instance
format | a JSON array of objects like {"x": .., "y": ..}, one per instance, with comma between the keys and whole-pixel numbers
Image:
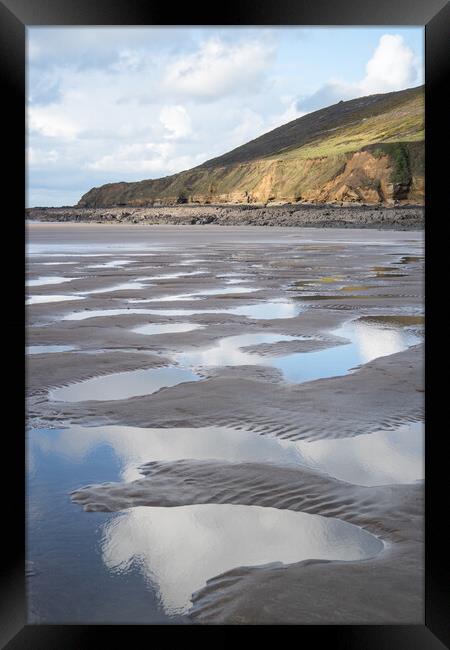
[
  {"x": 128, "y": 60},
  {"x": 36, "y": 157},
  {"x": 176, "y": 120},
  {"x": 147, "y": 157},
  {"x": 219, "y": 68},
  {"x": 52, "y": 122},
  {"x": 249, "y": 125},
  {"x": 393, "y": 66}
]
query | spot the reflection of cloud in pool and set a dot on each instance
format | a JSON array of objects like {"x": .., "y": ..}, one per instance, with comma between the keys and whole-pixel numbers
[
  {"x": 166, "y": 328},
  {"x": 133, "y": 285},
  {"x": 93, "y": 313},
  {"x": 135, "y": 446},
  {"x": 47, "y": 349},
  {"x": 366, "y": 342},
  {"x": 122, "y": 385},
  {"x": 178, "y": 549},
  {"x": 269, "y": 310},
  {"x": 35, "y": 300},
  {"x": 375, "y": 341},
  {"x": 109, "y": 265},
  {"x": 228, "y": 351},
  {"x": 47, "y": 279},
  {"x": 371, "y": 459},
  {"x": 377, "y": 458}
]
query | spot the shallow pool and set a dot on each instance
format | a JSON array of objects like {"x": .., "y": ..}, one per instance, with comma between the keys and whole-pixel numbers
[{"x": 121, "y": 385}]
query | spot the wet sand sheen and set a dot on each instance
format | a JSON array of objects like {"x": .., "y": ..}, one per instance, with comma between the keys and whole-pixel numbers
[{"x": 220, "y": 465}]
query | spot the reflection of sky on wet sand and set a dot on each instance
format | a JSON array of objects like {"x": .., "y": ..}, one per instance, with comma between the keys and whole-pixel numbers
[
  {"x": 109, "y": 265},
  {"x": 146, "y": 542},
  {"x": 367, "y": 341},
  {"x": 53, "y": 263},
  {"x": 47, "y": 279},
  {"x": 186, "y": 297},
  {"x": 266, "y": 310},
  {"x": 179, "y": 548},
  {"x": 95, "y": 250},
  {"x": 68, "y": 581},
  {"x": 228, "y": 351},
  {"x": 173, "y": 276},
  {"x": 197, "y": 295},
  {"x": 166, "y": 328},
  {"x": 133, "y": 285},
  {"x": 41, "y": 299},
  {"x": 122, "y": 385},
  {"x": 379, "y": 458},
  {"x": 135, "y": 446},
  {"x": 375, "y": 341},
  {"x": 47, "y": 349},
  {"x": 93, "y": 313}
]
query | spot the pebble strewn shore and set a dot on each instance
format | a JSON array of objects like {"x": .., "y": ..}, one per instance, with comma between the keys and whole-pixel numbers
[{"x": 324, "y": 216}]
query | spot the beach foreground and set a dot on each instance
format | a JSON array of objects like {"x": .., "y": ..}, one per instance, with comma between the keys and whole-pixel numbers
[{"x": 238, "y": 410}]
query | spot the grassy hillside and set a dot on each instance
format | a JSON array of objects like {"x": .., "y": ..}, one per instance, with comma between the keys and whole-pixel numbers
[{"x": 367, "y": 149}]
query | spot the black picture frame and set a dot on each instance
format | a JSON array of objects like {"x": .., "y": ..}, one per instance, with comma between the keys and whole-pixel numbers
[{"x": 15, "y": 16}]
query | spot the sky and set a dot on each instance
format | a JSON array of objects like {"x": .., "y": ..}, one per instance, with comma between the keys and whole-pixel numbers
[{"x": 128, "y": 103}]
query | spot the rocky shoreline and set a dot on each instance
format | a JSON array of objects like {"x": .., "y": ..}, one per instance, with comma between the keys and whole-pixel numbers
[{"x": 405, "y": 217}]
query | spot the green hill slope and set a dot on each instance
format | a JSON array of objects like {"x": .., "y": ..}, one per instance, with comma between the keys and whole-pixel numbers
[{"x": 369, "y": 149}]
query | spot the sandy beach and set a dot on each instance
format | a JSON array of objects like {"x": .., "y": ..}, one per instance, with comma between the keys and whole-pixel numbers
[{"x": 220, "y": 368}]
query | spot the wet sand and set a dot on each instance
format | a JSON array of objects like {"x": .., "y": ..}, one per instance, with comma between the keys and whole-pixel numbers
[{"x": 300, "y": 287}]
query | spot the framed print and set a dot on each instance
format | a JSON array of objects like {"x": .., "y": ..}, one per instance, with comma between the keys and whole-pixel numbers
[{"x": 229, "y": 222}]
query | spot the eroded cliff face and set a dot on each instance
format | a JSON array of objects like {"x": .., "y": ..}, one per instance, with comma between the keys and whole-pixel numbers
[
  {"x": 369, "y": 150},
  {"x": 363, "y": 176}
]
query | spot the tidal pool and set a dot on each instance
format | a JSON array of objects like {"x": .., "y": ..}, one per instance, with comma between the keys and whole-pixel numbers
[
  {"x": 259, "y": 311},
  {"x": 134, "y": 566},
  {"x": 166, "y": 328},
  {"x": 173, "y": 276},
  {"x": 367, "y": 341},
  {"x": 123, "y": 286},
  {"x": 197, "y": 295},
  {"x": 109, "y": 265},
  {"x": 183, "y": 297},
  {"x": 222, "y": 291},
  {"x": 47, "y": 279},
  {"x": 121, "y": 385},
  {"x": 268, "y": 310},
  {"x": 235, "y": 280},
  {"x": 135, "y": 446},
  {"x": 379, "y": 458},
  {"x": 95, "y": 250},
  {"x": 47, "y": 349},
  {"x": 180, "y": 548},
  {"x": 94, "y": 313},
  {"x": 40, "y": 299},
  {"x": 52, "y": 263},
  {"x": 228, "y": 351}
]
